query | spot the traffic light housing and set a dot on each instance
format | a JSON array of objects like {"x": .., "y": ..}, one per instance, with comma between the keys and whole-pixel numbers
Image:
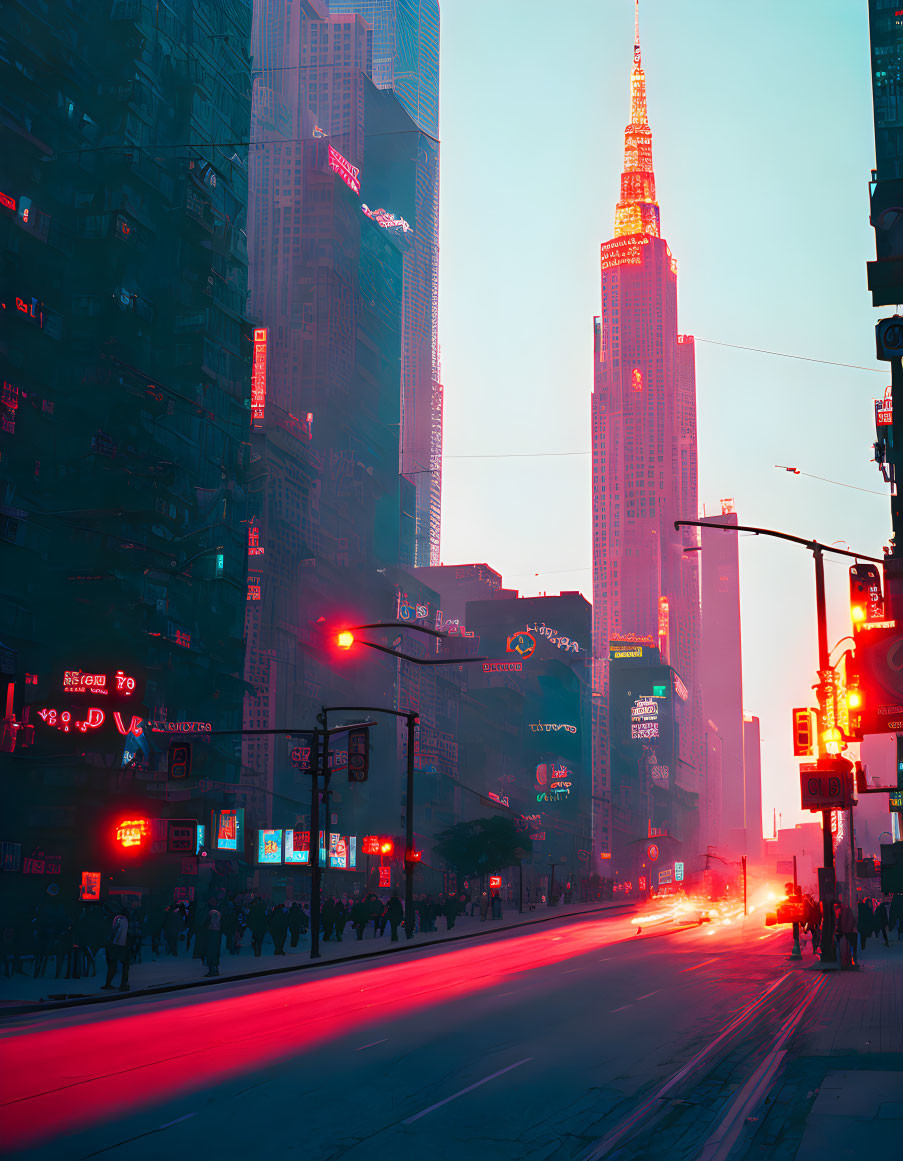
[
  {"x": 358, "y": 754},
  {"x": 866, "y": 596},
  {"x": 803, "y": 732},
  {"x": 178, "y": 759}
]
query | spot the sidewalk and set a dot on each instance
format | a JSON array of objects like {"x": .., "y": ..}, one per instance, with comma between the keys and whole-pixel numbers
[
  {"x": 183, "y": 971},
  {"x": 841, "y": 1095}
]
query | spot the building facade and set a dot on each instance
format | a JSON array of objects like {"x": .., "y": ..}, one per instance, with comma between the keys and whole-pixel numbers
[
  {"x": 405, "y": 60},
  {"x": 125, "y": 355},
  {"x": 645, "y": 586}
]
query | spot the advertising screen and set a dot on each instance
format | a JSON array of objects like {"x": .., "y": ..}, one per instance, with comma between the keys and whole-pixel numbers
[
  {"x": 297, "y": 847},
  {"x": 269, "y": 846},
  {"x": 228, "y": 829}
]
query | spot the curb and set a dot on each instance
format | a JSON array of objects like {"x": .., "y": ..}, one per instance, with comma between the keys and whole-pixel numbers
[{"x": 33, "y": 1006}]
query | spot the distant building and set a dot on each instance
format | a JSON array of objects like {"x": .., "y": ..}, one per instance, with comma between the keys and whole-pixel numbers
[
  {"x": 720, "y": 667},
  {"x": 645, "y": 586},
  {"x": 752, "y": 765}
]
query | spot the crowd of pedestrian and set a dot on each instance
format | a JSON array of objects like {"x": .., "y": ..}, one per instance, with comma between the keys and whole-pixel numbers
[{"x": 852, "y": 928}]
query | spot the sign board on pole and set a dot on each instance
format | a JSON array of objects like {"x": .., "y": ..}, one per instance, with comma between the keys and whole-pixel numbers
[
  {"x": 385, "y": 876},
  {"x": 826, "y": 784},
  {"x": 678, "y": 872}
]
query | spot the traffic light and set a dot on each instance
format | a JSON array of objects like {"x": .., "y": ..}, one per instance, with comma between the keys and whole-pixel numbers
[
  {"x": 178, "y": 760},
  {"x": 866, "y": 597},
  {"x": 386, "y": 846},
  {"x": 358, "y": 755},
  {"x": 855, "y": 697},
  {"x": 803, "y": 732}
]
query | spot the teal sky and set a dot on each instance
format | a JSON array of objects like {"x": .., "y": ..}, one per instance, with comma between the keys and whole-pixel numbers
[{"x": 762, "y": 138}]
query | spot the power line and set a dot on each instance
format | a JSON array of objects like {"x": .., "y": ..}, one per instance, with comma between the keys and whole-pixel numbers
[
  {"x": 837, "y": 483},
  {"x": 787, "y": 355}
]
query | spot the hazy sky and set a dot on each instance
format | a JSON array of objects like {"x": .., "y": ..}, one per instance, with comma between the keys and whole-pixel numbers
[{"x": 762, "y": 138}]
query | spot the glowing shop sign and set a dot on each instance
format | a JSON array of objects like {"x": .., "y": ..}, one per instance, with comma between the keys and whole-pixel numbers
[
  {"x": 297, "y": 846},
  {"x": 269, "y": 846},
  {"x": 523, "y": 643},
  {"x": 553, "y": 638},
  {"x": 259, "y": 376},
  {"x": 680, "y": 689},
  {"x": 408, "y": 612},
  {"x": 227, "y": 828},
  {"x": 495, "y": 881},
  {"x": 6, "y": 200},
  {"x": 157, "y": 727},
  {"x": 132, "y": 832},
  {"x": 548, "y": 728},
  {"x": 254, "y": 548},
  {"x": 386, "y": 220},
  {"x": 347, "y": 172},
  {"x": 884, "y": 412},
  {"x": 385, "y": 876},
  {"x": 644, "y": 718},
  {"x": 76, "y": 681},
  {"x": 553, "y": 781},
  {"x": 622, "y": 650},
  {"x": 65, "y": 721},
  {"x": 89, "y": 890},
  {"x": 503, "y": 666}
]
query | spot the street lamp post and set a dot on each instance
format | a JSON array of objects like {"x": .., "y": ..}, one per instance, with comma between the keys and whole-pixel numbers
[{"x": 827, "y": 883}]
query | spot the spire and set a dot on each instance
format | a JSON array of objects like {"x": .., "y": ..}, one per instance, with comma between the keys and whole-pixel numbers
[{"x": 637, "y": 211}]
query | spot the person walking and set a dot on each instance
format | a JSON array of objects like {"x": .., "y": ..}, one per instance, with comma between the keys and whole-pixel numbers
[
  {"x": 277, "y": 922},
  {"x": 294, "y": 923},
  {"x": 213, "y": 938},
  {"x": 451, "y": 912},
  {"x": 172, "y": 928},
  {"x": 846, "y": 923},
  {"x": 496, "y": 904},
  {"x": 118, "y": 952},
  {"x": 374, "y": 911},
  {"x": 257, "y": 921},
  {"x": 359, "y": 917},
  {"x": 879, "y": 921},
  {"x": 484, "y": 906},
  {"x": 395, "y": 915},
  {"x": 896, "y": 914},
  {"x": 338, "y": 919},
  {"x": 864, "y": 920},
  {"x": 327, "y": 915}
]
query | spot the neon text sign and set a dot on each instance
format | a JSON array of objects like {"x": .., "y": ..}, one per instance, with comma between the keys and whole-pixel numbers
[
  {"x": 259, "y": 376},
  {"x": 347, "y": 172}
]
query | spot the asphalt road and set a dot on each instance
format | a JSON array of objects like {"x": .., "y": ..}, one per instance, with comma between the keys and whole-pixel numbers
[{"x": 580, "y": 1040}]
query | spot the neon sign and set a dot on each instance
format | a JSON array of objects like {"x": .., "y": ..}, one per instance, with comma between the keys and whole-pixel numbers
[
  {"x": 65, "y": 721},
  {"x": 552, "y": 636},
  {"x": 259, "y": 376},
  {"x": 623, "y": 251},
  {"x": 89, "y": 891},
  {"x": 158, "y": 727},
  {"x": 523, "y": 643},
  {"x": 347, "y": 172},
  {"x": 77, "y": 681},
  {"x": 503, "y": 666},
  {"x": 6, "y": 200},
  {"x": 254, "y": 548},
  {"x": 227, "y": 828},
  {"x": 386, "y": 220},
  {"x": 132, "y": 832},
  {"x": 548, "y": 728}
]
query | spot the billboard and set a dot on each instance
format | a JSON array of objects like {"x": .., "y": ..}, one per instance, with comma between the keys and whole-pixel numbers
[
  {"x": 269, "y": 847},
  {"x": 227, "y": 829}
]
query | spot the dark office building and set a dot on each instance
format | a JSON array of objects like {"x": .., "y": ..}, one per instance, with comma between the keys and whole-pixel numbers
[{"x": 124, "y": 431}]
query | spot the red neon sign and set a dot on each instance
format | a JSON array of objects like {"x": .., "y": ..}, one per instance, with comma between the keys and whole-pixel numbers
[
  {"x": 370, "y": 845},
  {"x": 254, "y": 548},
  {"x": 65, "y": 721},
  {"x": 132, "y": 832},
  {"x": 495, "y": 881},
  {"x": 7, "y": 201},
  {"x": 385, "y": 876},
  {"x": 259, "y": 376},
  {"x": 347, "y": 172},
  {"x": 89, "y": 891}
]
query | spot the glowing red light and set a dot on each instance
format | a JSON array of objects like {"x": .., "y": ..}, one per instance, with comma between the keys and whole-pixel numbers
[
  {"x": 259, "y": 376},
  {"x": 347, "y": 172},
  {"x": 7, "y": 201},
  {"x": 131, "y": 833},
  {"x": 386, "y": 847},
  {"x": 495, "y": 881},
  {"x": 370, "y": 844}
]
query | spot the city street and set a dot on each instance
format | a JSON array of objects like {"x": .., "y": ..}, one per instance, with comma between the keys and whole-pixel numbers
[{"x": 577, "y": 1041}]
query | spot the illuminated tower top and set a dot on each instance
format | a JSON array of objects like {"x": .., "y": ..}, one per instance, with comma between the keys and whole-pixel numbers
[{"x": 637, "y": 211}]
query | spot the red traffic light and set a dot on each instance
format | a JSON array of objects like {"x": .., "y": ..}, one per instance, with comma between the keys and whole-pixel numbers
[
  {"x": 132, "y": 833},
  {"x": 386, "y": 846}
]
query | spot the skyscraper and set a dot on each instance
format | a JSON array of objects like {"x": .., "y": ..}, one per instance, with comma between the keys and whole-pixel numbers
[
  {"x": 721, "y": 670},
  {"x": 406, "y": 60},
  {"x": 645, "y": 587}
]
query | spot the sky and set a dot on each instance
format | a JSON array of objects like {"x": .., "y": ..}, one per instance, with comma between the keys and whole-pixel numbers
[{"x": 763, "y": 145}]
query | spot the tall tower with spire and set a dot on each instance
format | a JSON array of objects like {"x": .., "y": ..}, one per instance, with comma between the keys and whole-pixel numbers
[{"x": 645, "y": 586}]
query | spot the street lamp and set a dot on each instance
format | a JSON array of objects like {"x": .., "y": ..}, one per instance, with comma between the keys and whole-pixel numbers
[{"x": 818, "y": 550}]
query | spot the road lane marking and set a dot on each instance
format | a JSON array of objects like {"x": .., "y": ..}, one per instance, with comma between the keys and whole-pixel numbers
[
  {"x": 373, "y": 1045},
  {"x": 697, "y": 966},
  {"x": 630, "y": 1122},
  {"x": 648, "y": 994},
  {"x": 622, "y": 1009},
  {"x": 470, "y": 1088},
  {"x": 723, "y": 1139},
  {"x": 178, "y": 1121},
  {"x": 568, "y": 971}
]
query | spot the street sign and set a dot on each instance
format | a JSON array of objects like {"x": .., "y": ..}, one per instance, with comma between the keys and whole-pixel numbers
[
  {"x": 664, "y": 877},
  {"x": 889, "y": 338},
  {"x": 678, "y": 872},
  {"x": 826, "y": 784}
]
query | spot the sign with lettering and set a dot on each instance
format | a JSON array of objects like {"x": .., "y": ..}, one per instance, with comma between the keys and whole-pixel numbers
[
  {"x": 503, "y": 666},
  {"x": 826, "y": 784}
]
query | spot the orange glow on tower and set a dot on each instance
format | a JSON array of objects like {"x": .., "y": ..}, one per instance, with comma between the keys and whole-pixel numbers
[{"x": 637, "y": 211}]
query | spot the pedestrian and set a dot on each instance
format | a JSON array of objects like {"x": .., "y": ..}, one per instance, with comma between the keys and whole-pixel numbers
[
  {"x": 257, "y": 921},
  {"x": 847, "y": 927},
  {"x": 879, "y": 921},
  {"x": 496, "y": 904},
  {"x": 864, "y": 917},
  {"x": 338, "y": 919},
  {"x": 327, "y": 916},
  {"x": 213, "y": 934},
  {"x": 118, "y": 952},
  {"x": 484, "y": 906},
  {"x": 374, "y": 911},
  {"x": 277, "y": 922},
  {"x": 896, "y": 914},
  {"x": 359, "y": 917},
  {"x": 451, "y": 912},
  {"x": 172, "y": 928},
  {"x": 395, "y": 915}
]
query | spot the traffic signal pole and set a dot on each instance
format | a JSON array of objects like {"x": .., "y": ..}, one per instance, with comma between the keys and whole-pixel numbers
[
  {"x": 827, "y": 880},
  {"x": 827, "y": 891}
]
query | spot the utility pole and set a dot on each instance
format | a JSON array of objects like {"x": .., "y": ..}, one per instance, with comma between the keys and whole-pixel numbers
[
  {"x": 314, "y": 845},
  {"x": 827, "y": 878},
  {"x": 412, "y": 719},
  {"x": 795, "y": 952},
  {"x": 743, "y": 861}
]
